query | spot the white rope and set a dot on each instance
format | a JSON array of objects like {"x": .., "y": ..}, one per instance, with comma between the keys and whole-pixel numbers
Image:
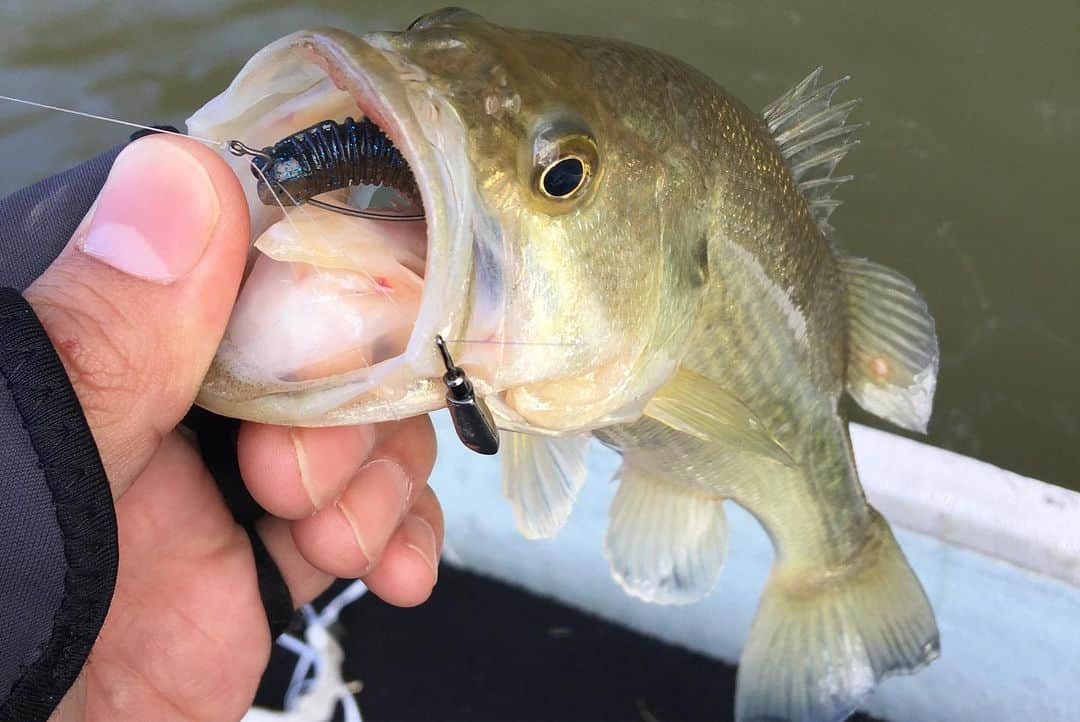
[{"x": 316, "y": 687}]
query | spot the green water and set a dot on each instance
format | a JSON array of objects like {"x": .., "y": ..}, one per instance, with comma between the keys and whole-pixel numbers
[{"x": 966, "y": 179}]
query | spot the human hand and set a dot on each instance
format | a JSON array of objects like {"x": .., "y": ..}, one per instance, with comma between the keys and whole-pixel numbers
[{"x": 135, "y": 306}]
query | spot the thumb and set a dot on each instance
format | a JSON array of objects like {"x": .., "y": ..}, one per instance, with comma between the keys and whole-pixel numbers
[{"x": 138, "y": 300}]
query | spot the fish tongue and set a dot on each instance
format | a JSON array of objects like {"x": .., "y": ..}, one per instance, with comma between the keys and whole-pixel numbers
[
  {"x": 331, "y": 240},
  {"x": 329, "y": 294}
]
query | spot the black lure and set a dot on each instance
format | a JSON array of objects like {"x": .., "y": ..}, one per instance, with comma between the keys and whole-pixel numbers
[{"x": 330, "y": 156}]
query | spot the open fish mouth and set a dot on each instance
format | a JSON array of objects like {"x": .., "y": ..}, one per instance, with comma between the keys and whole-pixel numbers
[{"x": 337, "y": 316}]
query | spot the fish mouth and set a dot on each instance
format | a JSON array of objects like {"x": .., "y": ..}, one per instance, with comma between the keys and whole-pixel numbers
[{"x": 351, "y": 337}]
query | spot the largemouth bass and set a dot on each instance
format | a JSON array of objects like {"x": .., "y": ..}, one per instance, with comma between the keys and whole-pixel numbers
[{"x": 614, "y": 247}]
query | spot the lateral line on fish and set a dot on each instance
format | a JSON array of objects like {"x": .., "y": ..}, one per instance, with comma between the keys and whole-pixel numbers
[{"x": 128, "y": 123}]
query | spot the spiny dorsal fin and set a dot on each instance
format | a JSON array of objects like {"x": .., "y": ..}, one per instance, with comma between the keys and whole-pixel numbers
[{"x": 813, "y": 136}]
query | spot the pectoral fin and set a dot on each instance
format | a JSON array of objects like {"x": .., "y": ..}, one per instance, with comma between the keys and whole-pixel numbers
[
  {"x": 893, "y": 355},
  {"x": 541, "y": 478},
  {"x": 666, "y": 543},
  {"x": 695, "y": 405}
]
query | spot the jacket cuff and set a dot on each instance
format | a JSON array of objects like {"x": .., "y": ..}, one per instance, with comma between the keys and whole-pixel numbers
[{"x": 58, "y": 552}]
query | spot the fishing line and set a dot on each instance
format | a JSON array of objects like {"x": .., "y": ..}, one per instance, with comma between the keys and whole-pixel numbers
[
  {"x": 208, "y": 141},
  {"x": 235, "y": 147},
  {"x": 217, "y": 143}
]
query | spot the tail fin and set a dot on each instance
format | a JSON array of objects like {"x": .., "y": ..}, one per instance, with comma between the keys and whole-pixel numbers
[{"x": 820, "y": 643}]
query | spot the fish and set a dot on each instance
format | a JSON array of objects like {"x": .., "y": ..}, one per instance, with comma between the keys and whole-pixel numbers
[{"x": 614, "y": 248}]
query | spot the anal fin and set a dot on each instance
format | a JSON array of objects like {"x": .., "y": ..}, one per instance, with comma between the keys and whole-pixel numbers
[
  {"x": 665, "y": 542},
  {"x": 542, "y": 476},
  {"x": 893, "y": 355}
]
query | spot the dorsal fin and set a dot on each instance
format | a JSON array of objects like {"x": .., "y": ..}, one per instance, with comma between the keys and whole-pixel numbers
[
  {"x": 893, "y": 352},
  {"x": 813, "y": 136}
]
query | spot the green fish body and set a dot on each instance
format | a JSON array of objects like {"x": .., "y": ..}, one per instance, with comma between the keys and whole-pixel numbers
[{"x": 681, "y": 302}]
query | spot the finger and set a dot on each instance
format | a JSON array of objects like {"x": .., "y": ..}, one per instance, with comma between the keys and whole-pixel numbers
[
  {"x": 409, "y": 567},
  {"x": 294, "y": 472},
  {"x": 138, "y": 300},
  {"x": 347, "y": 538},
  {"x": 304, "y": 580},
  {"x": 398, "y": 579}
]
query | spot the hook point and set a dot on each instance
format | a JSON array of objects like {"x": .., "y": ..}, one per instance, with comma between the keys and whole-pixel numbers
[{"x": 440, "y": 343}]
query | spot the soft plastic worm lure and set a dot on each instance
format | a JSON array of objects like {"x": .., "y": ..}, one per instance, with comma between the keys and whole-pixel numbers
[{"x": 330, "y": 156}]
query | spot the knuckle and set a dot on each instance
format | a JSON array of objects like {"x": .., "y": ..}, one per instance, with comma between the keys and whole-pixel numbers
[{"x": 96, "y": 340}]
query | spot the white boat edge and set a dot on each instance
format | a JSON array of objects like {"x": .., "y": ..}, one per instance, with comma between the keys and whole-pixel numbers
[
  {"x": 970, "y": 503},
  {"x": 998, "y": 554}
]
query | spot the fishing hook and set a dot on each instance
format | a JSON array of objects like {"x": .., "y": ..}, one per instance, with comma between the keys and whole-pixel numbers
[{"x": 471, "y": 416}]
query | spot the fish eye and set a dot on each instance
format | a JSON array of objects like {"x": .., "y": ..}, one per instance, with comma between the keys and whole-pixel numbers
[
  {"x": 564, "y": 177},
  {"x": 565, "y": 164}
]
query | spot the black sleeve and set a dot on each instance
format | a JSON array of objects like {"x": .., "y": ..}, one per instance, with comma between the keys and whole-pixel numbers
[{"x": 58, "y": 552}]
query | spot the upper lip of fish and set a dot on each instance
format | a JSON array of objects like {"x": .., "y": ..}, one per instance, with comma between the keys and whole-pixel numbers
[
  {"x": 446, "y": 215},
  {"x": 395, "y": 95}
]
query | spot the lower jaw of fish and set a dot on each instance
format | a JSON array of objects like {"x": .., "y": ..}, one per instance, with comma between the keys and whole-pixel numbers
[{"x": 337, "y": 318}]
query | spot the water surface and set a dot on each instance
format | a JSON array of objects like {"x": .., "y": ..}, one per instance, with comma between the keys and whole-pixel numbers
[{"x": 966, "y": 178}]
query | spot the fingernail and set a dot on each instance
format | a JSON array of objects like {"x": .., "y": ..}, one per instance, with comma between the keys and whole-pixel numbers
[
  {"x": 156, "y": 213},
  {"x": 420, "y": 537}
]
